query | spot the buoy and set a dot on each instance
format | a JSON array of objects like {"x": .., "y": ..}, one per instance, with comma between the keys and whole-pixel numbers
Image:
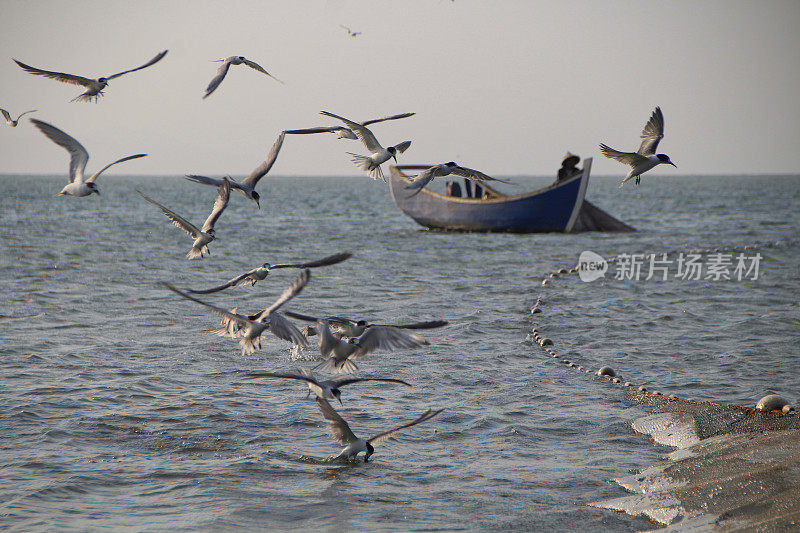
[
  {"x": 606, "y": 371},
  {"x": 546, "y": 342},
  {"x": 771, "y": 402}
]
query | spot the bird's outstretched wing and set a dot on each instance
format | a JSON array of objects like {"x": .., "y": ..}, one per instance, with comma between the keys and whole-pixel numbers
[
  {"x": 218, "y": 77},
  {"x": 176, "y": 219},
  {"x": 327, "y": 342},
  {"x": 262, "y": 169},
  {"x": 204, "y": 180},
  {"x": 283, "y": 329},
  {"x": 362, "y": 132},
  {"x": 6, "y": 115},
  {"x": 652, "y": 133},
  {"x": 309, "y": 378},
  {"x": 386, "y": 338},
  {"x": 390, "y": 117},
  {"x": 153, "y": 61},
  {"x": 325, "y": 261},
  {"x": 94, "y": 176},
  {"x": 427, "y": 415},
  {"x": 78, "y": 154},
  {"x": 469, "y": 173},
  {"x": 255, "y": 66},
  {"x": 429, "y": 324},
  {"x": 402, "y": 147},
  {"x": 241, "y": 320},
  {"x": 424, "y": 177},
  {"x": 224, "y": 194},
  {"x": 346, "y": 379},
  {"x": 308, "y": 131},
  {"x": 60, "y": 76},
  {"x": 230, "y": 283},
  {"x": 26, "y": 112},
  {"x": 627, "y": 158},
  {"x": 337, "y": 427}
]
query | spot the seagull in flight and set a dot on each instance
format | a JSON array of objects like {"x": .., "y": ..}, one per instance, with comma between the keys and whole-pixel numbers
[
  {"x": 340, "y": 352},
  {"x": 347, "y": 327},
  {"x": 202, "y": 237},
  {"x": 226, "y": 64},
  {"x": 327, "y": 388},
  {"x": 94, "y": 87},
  {"x": 248, "y": 185},
  {"x": 78, "y": 157},
  {"x": 259, "y": 273},
  {"x": 445, "y": 169},
  {"x": 378, "y": 154},
  {"x": 646, "y": 157},
  {"x": 251, "y": 328},
  {"x": 346, "y": 133},
  {"x": 13, "y": 123},
  {"x": 350, "y": 32},
  {"x": 342, "y": 433}
]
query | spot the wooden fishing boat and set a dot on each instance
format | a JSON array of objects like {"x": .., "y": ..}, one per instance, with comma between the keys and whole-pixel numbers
[{"x": 559, "y": 207}]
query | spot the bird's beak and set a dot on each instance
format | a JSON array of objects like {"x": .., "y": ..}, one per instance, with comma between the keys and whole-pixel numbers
[
  {"x": 673, "y": 164},
  {"x": 258, "y": 204},
  {"x": 340, "y": 401},
  {"x": 96, "y": 192},
  {"x": 395, "y": 159}
]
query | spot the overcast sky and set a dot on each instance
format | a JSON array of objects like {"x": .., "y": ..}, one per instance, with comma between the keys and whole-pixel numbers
[{"x": 504, "y": 87}]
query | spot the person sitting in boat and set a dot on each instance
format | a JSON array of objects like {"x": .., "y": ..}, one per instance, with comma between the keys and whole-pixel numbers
[
  {"x": 453, "y": 189},
  {"x": 568, "y": 167}
]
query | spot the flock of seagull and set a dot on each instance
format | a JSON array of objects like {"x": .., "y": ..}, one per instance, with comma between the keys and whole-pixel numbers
[{"x": 341, "y": 341}]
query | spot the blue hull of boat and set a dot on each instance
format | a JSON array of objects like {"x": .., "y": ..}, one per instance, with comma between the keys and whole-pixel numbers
[{"x": 553, "y": 208}]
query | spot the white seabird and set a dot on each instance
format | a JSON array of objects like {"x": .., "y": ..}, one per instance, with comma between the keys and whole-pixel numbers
[
  {"x": 259, "y": 273},
  {"x": 445, "y": 169},
  {"x": 340, "y": 352},
  {"x": 347, "y": 327},
  {"x": 202, "y": 237},
  {"x": 94, "y": 87},
  {"x": 646, "y": 157},
  {"x": 248, "y": 185},
  {"x": 251, "y": 328},
  {"x": 324, "y": 388},
  {"x": 378, "y": 154},
  {"x": 78, "y": 157},
  {"x": 223, "y": 70},
  {"x": 346, "y": 133},
  {"x": 342, "y": 433},
  {"x": 11, "y": 122}
]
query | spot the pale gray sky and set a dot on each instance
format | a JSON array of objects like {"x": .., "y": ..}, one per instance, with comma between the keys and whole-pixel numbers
[{"x": 505, "y": 87}]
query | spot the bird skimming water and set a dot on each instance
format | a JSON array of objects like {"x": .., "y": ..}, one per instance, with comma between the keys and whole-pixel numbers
[
  {"x": 646, "y": 157},
  {"x": 342, "y": 433},
  {"x": 78, "y": 157},
  {"x": 94, "y": 87}
]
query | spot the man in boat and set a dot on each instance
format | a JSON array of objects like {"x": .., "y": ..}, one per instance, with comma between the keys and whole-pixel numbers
[{"x": 568, "y": 167}]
